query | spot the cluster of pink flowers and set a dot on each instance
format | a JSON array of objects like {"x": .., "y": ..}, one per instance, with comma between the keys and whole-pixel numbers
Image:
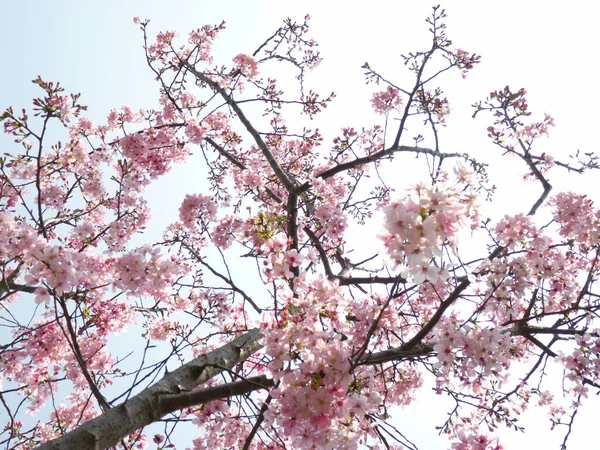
[
  {"x": 577, "y": 218},
  {"x": 476, "y": 442},
  {"x": 143, "y": 271},
  {"x": 537, "y": 263},
  {"x": 583, "y": 362},
  {"x": 161, "y": 329},
  {"x": 150, "y": 153},
  {"x": 63, "y": 104},
  {"x": 353, "y": 143},
  {"x": 194, "y": 131},
  {"x": 202, "y": 39},
  {"x": 73, "y": 256},
  {"x": 470, "y": 354},
  {"x": 385, "y": 101},
  {"x": 246, "y": 64},
  {"x": 433, "y": 104},
  {"x": 163, "y": 44},
  {"x": 328, "y": 204},
  {"x": 58, "y": 267},
  {"x": 197, "y": 207},
  {"x": 223, "y": 233},
  {"x": 45, "y": 356},
  {"x": 280, "y": 259},
  {"x": 166, "y": 51},
  {"x": 123, "y": 228},
  {"x": 318, "y": 399},
  {"x": 125, "y": 115},
  {"x": 225, "y": 431},
  {"x": 417, "y": 226},
  {"x": 513, "y": 230},
  {"x": 464, "y": 61},
  {"x": 39, "y": 358},
  {"x": 514, "y": 134},
  {"x": 536, "y": 129},
  {"x": 75, "y": 409}
]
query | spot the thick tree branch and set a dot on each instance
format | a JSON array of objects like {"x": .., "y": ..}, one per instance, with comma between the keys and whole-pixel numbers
[
  {"x": 154, "y": 402},
  {"x": 397, "y": 354},
  {"x": 7, "y": 283},
  {"x": 14, "y": 287},
  {"x": 176, "y": 402}
]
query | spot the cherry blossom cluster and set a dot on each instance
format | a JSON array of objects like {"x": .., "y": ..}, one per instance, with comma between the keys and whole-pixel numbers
[
  {"x": 70, "y": 253},
  {"x": 197, "y": 207},
  {"x": 385, "y": 101},
  {"x": 417, "y": 226},
  {"x": 318, "y": 399},
  {"x": 433, "y": 104},
  {"x": 246, "y": 64},
  {"x": 510, "y": 129},
  {"x": 143, "y": 271},
  {"x": 281, "y": 260},
  {"x": 151, "y": 153},
  {"x": 582, "y": 363},
  {"x": 536, "y": 264},
  {"x": 328, "y": 204},
  {"x": 161, "y": 329},
  {"x": 194, "y": 131},
  {"x": 45, "y": 357},
  {"x": 470, "y": 354},
  {"x": 465, "y": 61},
  {"x": 225, "y": 431},
  {"x": 578, "y": 219},
  {"x": 476, "y": 442},
  {"x": 163, "y": 48},
  {"x": 62, "y": 104},
  {"x": 223, "y": 233},
  {"x": 353, "y": 143}
]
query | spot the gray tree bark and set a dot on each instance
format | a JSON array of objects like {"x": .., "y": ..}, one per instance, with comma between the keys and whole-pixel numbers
[{"x": 173, "y": 392}]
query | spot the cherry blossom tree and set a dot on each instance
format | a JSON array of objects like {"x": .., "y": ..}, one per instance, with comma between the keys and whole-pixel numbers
[{"x": 252, "y": 318}]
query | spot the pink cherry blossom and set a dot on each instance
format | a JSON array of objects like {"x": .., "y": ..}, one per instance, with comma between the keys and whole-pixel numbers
[
  {"x": 246, "y": 64},
  {"x": 383, "y": 102},
  {"x": 197, "y": 207}
]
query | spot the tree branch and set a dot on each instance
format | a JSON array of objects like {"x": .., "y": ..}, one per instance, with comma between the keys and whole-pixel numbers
[
  {"x": 283, "y": 177},
  {"x": 154, "y": 402},
  {"x": 382, "y": 154},
  {"x": 176, "y": 402}
]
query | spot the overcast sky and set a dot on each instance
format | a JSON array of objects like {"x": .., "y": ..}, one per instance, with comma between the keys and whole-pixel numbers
[{"x": 548, "y": 47}]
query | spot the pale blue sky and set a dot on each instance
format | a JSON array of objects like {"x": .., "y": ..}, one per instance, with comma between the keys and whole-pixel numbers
[{"x": 548, "y": 47}]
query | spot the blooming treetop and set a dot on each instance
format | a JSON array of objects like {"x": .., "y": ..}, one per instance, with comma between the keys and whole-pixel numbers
[{"x": 319, "y": 353}]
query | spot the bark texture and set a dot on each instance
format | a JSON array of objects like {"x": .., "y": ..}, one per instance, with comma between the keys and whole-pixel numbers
[{"x": 169, "y": 394}]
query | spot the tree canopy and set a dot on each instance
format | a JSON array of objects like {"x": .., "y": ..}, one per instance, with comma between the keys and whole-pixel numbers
[{"x": 306, "y": 292}]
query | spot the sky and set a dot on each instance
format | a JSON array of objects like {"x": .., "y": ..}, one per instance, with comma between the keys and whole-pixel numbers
[{"x": 547, "y": 47}]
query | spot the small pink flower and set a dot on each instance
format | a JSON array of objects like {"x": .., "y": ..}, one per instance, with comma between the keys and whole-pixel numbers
[{"x": 293, "y": 258}]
